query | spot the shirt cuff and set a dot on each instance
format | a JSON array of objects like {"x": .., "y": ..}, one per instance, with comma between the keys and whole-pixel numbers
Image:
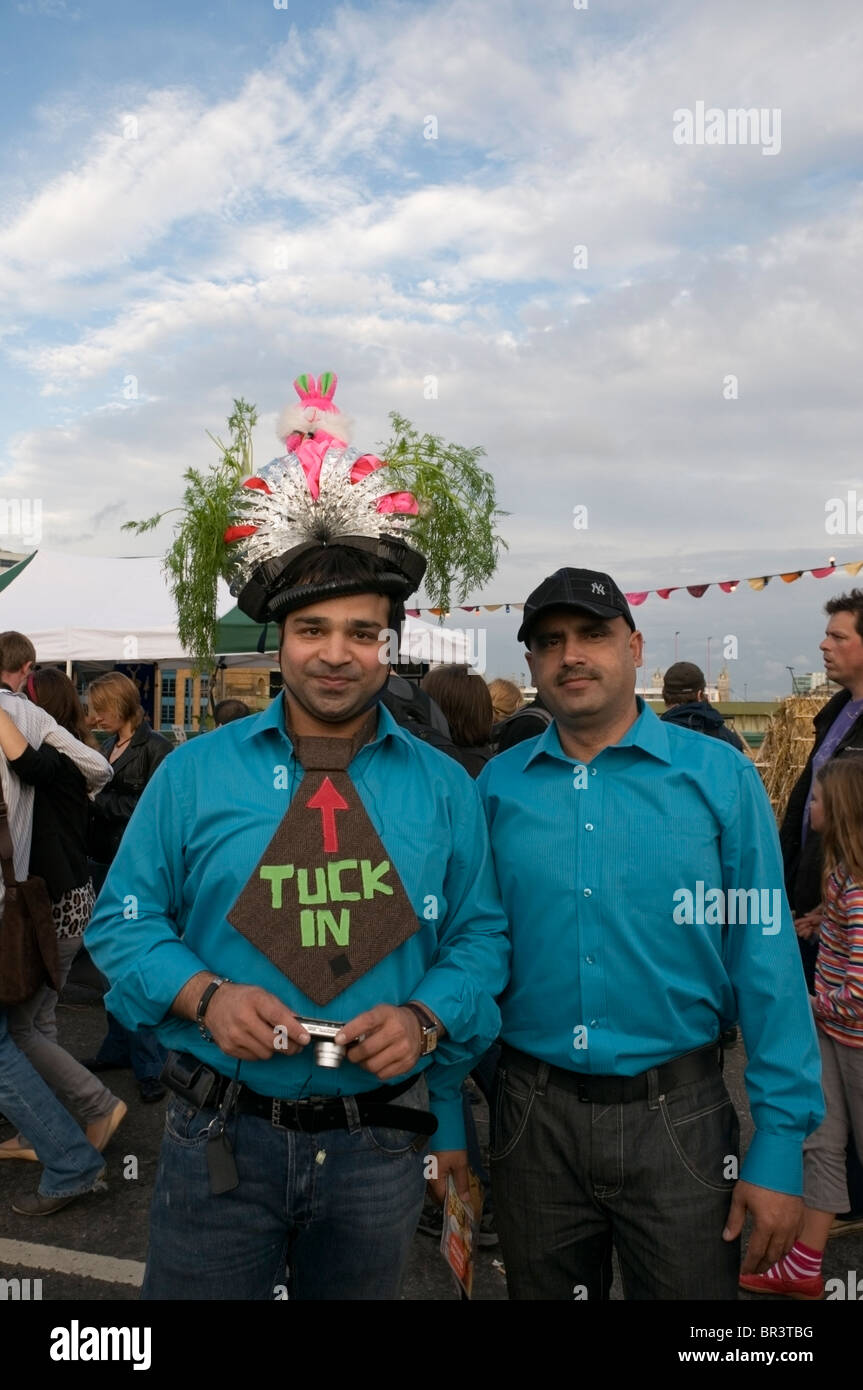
[
  {"x": 144, "y": 996},
  {"x": 450, "y": 1125},
  {"x": 774, "y": 1163}
]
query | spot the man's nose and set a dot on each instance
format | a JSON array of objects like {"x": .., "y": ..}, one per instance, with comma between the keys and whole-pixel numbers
[
  {"x": 334, "y": 650},
  {"x": 574, "y": 651}
]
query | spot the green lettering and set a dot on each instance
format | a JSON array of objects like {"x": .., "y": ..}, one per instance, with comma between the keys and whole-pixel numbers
[
  {"x": 307, "y": 927},
  {"x": 338, "y": 894},
  {"x": 372, "y": 877},
  {"x": 320, "y": 886},
  {"x": 340, "y": 932},
  {"x": 276, "y": 873}
]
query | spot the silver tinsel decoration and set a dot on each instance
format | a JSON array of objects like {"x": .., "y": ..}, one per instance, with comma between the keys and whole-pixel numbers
[{"x": 288, "y": 515}]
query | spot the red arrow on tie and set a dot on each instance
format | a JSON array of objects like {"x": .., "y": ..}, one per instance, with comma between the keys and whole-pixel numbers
[{"x": 328, "y": 800}]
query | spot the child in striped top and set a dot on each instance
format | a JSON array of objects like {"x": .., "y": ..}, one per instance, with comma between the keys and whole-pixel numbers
[{"x": 836, "y": 810}]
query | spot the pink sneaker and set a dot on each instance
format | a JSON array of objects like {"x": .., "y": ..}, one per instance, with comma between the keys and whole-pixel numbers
[{"x": 808, "y": 1290}]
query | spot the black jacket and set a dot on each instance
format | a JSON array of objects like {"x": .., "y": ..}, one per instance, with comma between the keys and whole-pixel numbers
[
  {"x": 702, "y": 717},
  {"x": 803, "y": 866},
  {"x": 112, "y": 809},
  {"x": 61, "y": 810}
]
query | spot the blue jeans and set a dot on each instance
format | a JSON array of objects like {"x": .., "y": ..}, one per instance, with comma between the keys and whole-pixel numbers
[
  {"x": 141, "y": 1050},
  {"x": 324, "y": 1216},
  {"x": 71, "y": 1163},
  {"x": 570, "y": 1179}
]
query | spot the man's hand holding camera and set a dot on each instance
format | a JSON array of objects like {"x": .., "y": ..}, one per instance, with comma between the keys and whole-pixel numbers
[
  {"x": 245, "y": 1021},
  {"x": 388, "y": 1040}
]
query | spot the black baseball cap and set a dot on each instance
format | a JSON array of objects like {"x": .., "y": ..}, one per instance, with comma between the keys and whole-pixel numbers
[{"x": 589, "y": 590}]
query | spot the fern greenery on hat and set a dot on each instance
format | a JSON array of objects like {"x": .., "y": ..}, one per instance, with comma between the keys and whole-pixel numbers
[{"x": 430, "y": 506}]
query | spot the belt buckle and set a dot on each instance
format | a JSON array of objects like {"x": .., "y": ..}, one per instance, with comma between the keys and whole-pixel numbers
[{"x": 276, "y": 1117}]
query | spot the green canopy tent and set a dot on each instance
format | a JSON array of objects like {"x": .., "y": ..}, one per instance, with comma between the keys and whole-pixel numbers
[{"x": 235, "y": 633}]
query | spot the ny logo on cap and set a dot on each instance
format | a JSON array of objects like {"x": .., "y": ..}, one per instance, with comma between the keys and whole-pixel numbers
[{"x": 597, "y": 589}]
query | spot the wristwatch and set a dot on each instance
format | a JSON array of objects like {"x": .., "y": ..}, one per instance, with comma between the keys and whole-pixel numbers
[
  {"x": 204, "y": 1004},
  {"x": 428, "y": 1026}
]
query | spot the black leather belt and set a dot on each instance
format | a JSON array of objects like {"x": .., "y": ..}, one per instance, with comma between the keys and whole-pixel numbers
[
  {"x": 617, "y": 1090},
  {"x": 312, "y": 1116}
]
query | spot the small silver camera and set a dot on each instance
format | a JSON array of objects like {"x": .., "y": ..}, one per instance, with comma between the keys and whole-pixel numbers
[{"x": 327, "y": 1053}]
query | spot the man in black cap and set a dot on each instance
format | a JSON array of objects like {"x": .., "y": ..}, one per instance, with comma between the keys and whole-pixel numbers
[
  {"x": 684, "y": 691},
  {"x": 640, "y": 872}
]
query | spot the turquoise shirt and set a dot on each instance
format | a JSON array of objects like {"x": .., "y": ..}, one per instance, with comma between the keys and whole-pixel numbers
[
  {"x": 198, "y": 832},
  {"x": 620, "y": 961}
]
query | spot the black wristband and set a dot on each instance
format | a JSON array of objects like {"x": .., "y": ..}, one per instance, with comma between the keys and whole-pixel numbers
[{"x": 204, "y": 1004}]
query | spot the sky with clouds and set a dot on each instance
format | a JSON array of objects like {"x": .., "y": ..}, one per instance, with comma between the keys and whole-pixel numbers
[{"x": 202, "y": 200}]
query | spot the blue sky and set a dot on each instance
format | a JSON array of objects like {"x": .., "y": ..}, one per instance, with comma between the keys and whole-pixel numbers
[{"x": 210, "y": 199}]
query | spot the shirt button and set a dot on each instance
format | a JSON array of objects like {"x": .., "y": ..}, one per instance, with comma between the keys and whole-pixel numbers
[
  {"x": 588, "y": 826},
  {"x": 589, "y": 959},
  {"x": 594, "y": 1023},
  {"x": 593, "y": 772},
  {"x": 587, "y": 893}
]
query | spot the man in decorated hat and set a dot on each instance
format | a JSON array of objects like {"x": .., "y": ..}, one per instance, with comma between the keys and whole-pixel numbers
[
  {"x": 640, "y": 872},
  {"x": 312, "y": 865}
]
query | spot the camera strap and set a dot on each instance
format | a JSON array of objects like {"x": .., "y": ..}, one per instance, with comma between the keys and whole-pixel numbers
[{"x": 221, "y": 1164}]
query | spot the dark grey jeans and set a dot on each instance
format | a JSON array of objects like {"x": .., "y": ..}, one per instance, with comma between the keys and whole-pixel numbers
[{"x": 570, "y": 1179}]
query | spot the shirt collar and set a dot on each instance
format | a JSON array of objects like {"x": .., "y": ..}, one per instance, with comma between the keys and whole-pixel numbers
[
  {"x": 647, "y": 733},
  {"x": 273, "y": 717}
]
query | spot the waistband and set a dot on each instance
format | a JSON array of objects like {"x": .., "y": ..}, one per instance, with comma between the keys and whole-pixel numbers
[
  {"x": 318, "y": 1113},
  {"x": 617, "y": 1090}
]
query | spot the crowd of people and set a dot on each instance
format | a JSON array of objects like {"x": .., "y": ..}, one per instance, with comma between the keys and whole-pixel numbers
[{"x": 514, "y": 924}]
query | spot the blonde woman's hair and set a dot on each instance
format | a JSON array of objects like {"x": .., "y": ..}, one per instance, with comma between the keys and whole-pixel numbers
[
  {"x": 116, "y": 694},
  {"x": 506, "y": 697}
]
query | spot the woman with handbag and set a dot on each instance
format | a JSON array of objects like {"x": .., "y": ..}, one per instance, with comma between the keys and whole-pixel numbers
[
  {"x": 134, "y": 752},
  {"x": 58, "y": 856}
]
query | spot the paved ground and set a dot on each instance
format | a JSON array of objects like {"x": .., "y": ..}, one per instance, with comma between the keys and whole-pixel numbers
[{"x": 94, "y": 1249}]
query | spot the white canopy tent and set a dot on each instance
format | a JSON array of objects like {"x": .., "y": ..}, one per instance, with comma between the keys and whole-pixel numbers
[
  {"x": 119, "y": 609},
  {"x": 94, "y": 608}
]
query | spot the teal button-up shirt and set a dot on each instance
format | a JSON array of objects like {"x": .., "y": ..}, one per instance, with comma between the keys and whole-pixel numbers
[
  {"x": 198, "y": 832},
  {"x": 620, "y": 960}
]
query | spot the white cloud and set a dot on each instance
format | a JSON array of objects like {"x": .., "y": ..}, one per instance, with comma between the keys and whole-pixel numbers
[
  {"x": 303, "y": 222},
  {"x": 51, "y": 9}
]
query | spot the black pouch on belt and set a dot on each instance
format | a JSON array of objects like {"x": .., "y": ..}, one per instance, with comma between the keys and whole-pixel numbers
[{"x": 188, "y": 1077}]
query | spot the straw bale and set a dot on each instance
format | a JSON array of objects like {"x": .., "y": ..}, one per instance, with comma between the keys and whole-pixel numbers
[{"x": 786, "y": 746}]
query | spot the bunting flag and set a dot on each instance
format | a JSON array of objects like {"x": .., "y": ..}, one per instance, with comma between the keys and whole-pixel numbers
[{"x": 639, "y": 596}]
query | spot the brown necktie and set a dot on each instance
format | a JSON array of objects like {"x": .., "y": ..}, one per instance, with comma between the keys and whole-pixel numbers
[{"x": 325, "y": 903}]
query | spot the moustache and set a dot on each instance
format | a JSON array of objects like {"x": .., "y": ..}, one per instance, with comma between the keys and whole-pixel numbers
[{"x": 578, "y": 674}]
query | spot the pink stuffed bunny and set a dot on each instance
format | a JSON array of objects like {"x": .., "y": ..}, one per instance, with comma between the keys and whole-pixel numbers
[{"x": 309, "y": 430}]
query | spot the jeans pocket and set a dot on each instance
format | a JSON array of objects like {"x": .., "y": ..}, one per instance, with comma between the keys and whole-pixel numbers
[
  {"x": 511, "y": 1104},
  {"x": 395, "y": 1143},
  {"x": 186, "y": 1124},
  {"x": 704, "y": 1132}
]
